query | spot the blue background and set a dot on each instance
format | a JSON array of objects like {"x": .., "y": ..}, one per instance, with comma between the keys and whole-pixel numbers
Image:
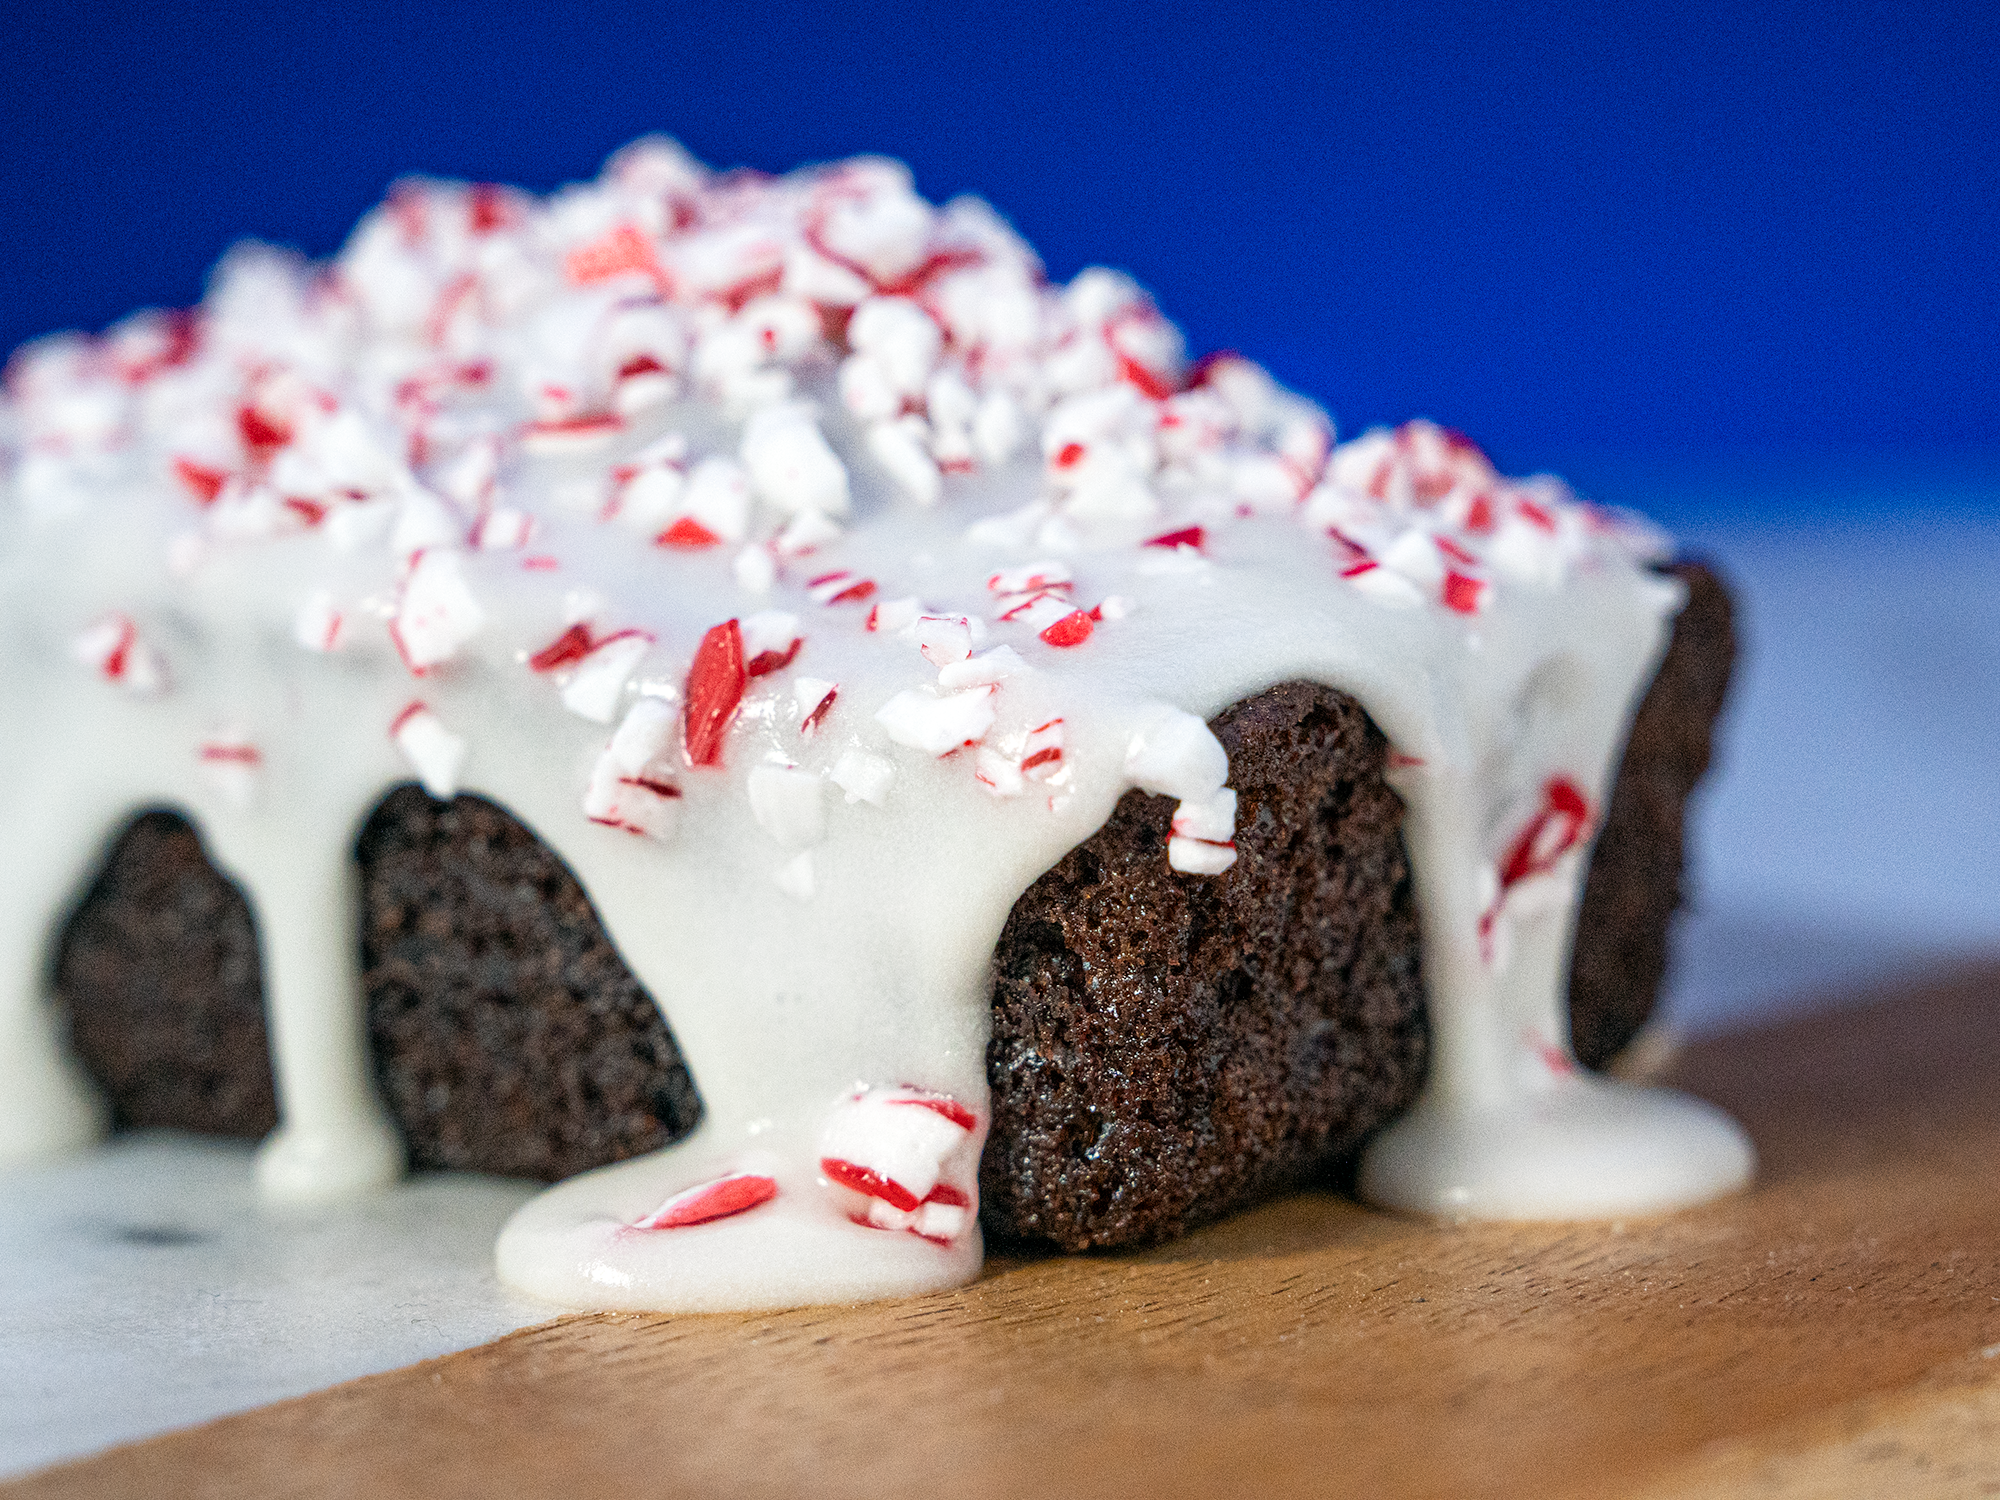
[{"x": 1679, "y": 250}]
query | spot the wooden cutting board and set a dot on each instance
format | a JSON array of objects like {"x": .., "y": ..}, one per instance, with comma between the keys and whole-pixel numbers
[{"x": 1836, "y": 1331}]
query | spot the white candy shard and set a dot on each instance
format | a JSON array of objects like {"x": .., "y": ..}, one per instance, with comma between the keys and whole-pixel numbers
[
  {"x": 790, "y": 464},
  {"x": 1211, "y": 818},
  {"x": 899, "y": 446},
  {"x": 795, "y": 877},
  {"x": 436, "y": 754},
  {"x": 424, "y": 521},
  {"x": 1199, "y": 857},
  {"x": 1173, "y": 755},
  {"x": 938, "y": 724},
  {"x": 644, "y": 735},
  {"x": 436, "y": 613},
  {"x": 503, "y": 529},
  {"x": 320, "y": 624},
  {"x": 1384, "y": 585},
  {"x": 864, "y": 777},
  {"x": 597, "y": 683},
  {"x": 717, "y": 496},
  {"x": 786, "y": 804},
  {"x": 943, "y": 639},
  {"x": 899, "y": 336},
  {"x": 999, "y": 774},
  {"x": 892, "y": 615},
  {"x": 756, "y": 570},
  {"x": 985, "y": 669}
]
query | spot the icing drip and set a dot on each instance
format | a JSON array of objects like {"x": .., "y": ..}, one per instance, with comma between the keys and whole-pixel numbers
[{"x": 811, "y": 577}]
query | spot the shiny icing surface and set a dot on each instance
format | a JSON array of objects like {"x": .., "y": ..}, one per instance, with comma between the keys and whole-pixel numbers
[{"x": 811, "y": 576}]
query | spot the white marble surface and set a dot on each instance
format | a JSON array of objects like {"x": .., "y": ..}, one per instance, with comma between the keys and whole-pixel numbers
[
  {"x": 1852, "y": 832},
  {"x": 144, "y": 1288}
]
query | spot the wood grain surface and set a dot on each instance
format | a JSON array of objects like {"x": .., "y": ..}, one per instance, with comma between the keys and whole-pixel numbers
[{"x": 1834, "y": 1332}]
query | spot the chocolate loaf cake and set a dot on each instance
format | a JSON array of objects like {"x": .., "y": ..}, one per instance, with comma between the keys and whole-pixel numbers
[
  {"x": 818, "y": 577},
  {"x": 1165, "y": 1049}
]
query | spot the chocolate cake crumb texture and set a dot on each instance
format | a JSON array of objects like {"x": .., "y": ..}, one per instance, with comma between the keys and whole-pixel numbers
[
  {"x": 1166, "y": 1048},
  {"x": 1635, "y": 883},
  {"x": 509, "y": 1036},
  {"x": 157, "y": 974}
]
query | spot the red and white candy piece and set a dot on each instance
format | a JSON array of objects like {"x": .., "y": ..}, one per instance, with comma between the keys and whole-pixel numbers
[
  {"x": 771, "y": 641},
  {"x": 1203, "y": 841},
  {"x": 1557, "y": 827},
  {"x": 842, "y": 586},
  {"x": 812, "y": 700},
  {"x": 502, "y": 529},
  {"x": 433, "y": 751},
  {"x": 436, "y": 612},
  {"x": 943, "y": 639},
  {"x": 320, "y": 624},
  {"x": 723, "y": 1198},
  {"x": 113, "y": 646},
  {"x": 629, "y": 786},
  {"x": 905, "y": 1159},
  {"x": 232, "y": 765}
]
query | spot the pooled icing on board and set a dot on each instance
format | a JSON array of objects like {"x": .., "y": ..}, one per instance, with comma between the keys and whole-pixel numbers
[{"x": 811, "y": 576}]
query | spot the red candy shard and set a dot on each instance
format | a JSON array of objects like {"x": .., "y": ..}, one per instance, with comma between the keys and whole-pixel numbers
[
  {"x": 624, "y": 249},
  {"x": 688, "y": 535},
  {"x": 488, "y": 208},
  {"x": 1042, "y": 758},
  {"x": 774, "y": 661},
  {"x": 1465, "y": 594},
  {"x": 1455, "y": 552},
  {"x": 721, "y": 1199},
  {"x": 1150, "y": 382},
  {"x": 572, "y": 646},
  {"x": 941, "y": 1104},
  {"x": 714, "y": 689},
  {"x": 640, "y": 364},
  {"x": 812, "y": 720},
  {"x": 1187, "y": 536},
  {"x": 1073, "y": 629},
  {"x": 1479, "y": 517},
  {"x": 1554, "y": 830},
  {"x": 261, "y": 436},
  {"x": 872, "y": 1184},
  {"x": 1535, "y": 515},
  {"x": 312, "y": 512},
  {"x": 410, "y": 710},
  {"x": 1069, "y": 455},
  {"x": 202, "y": 482}
]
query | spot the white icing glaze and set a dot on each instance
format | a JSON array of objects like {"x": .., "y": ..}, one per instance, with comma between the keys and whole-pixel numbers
[{"x": 269, "y": 570}]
